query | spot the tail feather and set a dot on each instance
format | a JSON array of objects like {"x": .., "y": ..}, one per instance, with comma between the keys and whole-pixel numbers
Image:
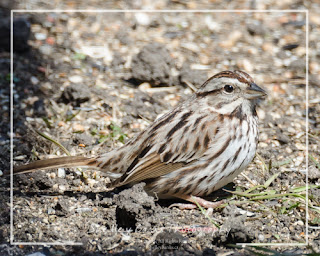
[{"x": 67, "y": 161}]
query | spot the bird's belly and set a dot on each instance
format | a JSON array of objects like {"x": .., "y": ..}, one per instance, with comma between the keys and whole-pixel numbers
[
  {"x": 223, "y": 176},
  {"x": 201, "y": 179}
]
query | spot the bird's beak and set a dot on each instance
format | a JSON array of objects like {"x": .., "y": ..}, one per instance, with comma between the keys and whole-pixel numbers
[{"x": 254, "y": 92}]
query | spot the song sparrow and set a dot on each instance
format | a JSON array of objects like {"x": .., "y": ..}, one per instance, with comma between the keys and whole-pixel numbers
[{"x": 193, "y": 150}]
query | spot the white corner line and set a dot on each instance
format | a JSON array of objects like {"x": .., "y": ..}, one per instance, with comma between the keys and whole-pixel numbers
[
  {"x": 11, "y": 128},
  {"x": 272, "y": 244},
  {"x": 158, "y": 11},
  {"x": 306, "y": 11},
  {"x": 46, "y": 243},
  {"x": 307, "y": 127}
]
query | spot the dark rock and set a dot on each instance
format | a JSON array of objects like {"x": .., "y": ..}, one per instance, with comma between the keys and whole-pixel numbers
[
  {"x": 36, "y": 180},
  {"x": 314, "y": 175},
  {"x": 21, "y": 33},
  {"x": 123, "y": 37},
  {"x": 170, "y": 242},
  {"x": 195, "y": 77},
  {"x": 153, "y": 64},
  {"x": 75, "y": 94},
  {"x": 62, "y": 208},
  {"x": 233, "y": 231},
  {"x": 208, "y": 252},
  {"x": 298, "y": 65},
  {"x": 127, "y": 253},
  {"x": 82, "y": 138},
  {"x": 313, "y": 80},
  {"x": 143, "y": 105},
  {"x": 133, "y": 206},
  {"x": 169, "y": 239},
  {"x": 173, "y": 34},
  {"x": 295, "y": 23},
  {"x": 283, "y": 138},
  {"x": 117, "y": 60},
  {"x": 39, "y": 108},
  {"x": 256, "y": 29},
  {"x": 290, "y": 46}
]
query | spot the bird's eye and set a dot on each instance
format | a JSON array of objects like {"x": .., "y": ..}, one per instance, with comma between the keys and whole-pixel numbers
[{"x": 228, "y": 88}]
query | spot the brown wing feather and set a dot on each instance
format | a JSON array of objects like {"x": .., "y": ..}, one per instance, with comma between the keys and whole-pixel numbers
[
  {"x": 151, "y": 167},
  {"x": 182, "y": 151}
]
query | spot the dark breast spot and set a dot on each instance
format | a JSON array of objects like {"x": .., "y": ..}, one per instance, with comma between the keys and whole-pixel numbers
[
  {"x": 223, "y": 148},
  {"x": 196, "y": 145},
  {"x": 116, "y": 160},
  {"x": 187, "y": 188},
  {"x": 186, "y": 129},
  {"x": 162, "y": 148},
  {"x": 225, "y": 165},
  {"x": 179, "y": 125},
  {"x": 165, "y": 120},
  {"x": 237, "y": 112},
  {"x": 185, "y": 146},
  {"x": 236, "y": 155},
  {"x": 206, "y": 141},
  {"x": 167, "y": 156},
  {"x": 198, "y": 120},
  {"x": 106, "y": 164},
  {"x": 202, "y": 179},
  {"x": 177, "y": 190}
]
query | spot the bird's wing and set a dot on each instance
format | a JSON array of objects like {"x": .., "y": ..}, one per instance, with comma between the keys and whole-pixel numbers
[{"x": 172, "y": 146}]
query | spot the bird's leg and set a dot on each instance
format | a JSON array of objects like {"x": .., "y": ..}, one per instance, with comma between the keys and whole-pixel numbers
[{"x": 194, "y": 199}]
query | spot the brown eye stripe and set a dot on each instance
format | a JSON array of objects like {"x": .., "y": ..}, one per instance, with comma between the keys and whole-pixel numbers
[{"x": 239, "y": 75}]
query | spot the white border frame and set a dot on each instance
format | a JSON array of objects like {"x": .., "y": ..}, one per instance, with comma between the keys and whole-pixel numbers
[{"x": 157, "y": 11}]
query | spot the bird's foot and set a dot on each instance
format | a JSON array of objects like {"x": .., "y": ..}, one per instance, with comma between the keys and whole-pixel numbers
[{"x": 195, "y": 200}]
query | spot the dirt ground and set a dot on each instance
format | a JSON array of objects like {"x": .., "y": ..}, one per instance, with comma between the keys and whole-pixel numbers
[{"x": 91, "y": 81}]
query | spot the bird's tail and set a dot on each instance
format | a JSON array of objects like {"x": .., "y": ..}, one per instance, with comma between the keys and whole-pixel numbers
[{"x": 67, "y": 161}]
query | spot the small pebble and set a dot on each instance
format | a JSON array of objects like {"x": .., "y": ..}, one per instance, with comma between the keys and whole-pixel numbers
[
  {"x": 247, "y": 213},
  {"x": 52, "y": 175},
  {"x": 40, "y": 36},
  {"x": 76, "y": 79},
  {"x": 261, "y": 237},
  {"x": 245, "y": 64},
  {"x": 34, "y": 80},
  {"x": 298, "y": 161},
  {"x": 289, "y": 150},
  {"x": 300, "y": 146},
  {"x": 212, "y": 24},
  {"x": 62, "y": 188},
  {"x": 142, "y": 19},
  {"x": 61, "y": 173},
  {"x": 77, "y": 128},
  {"x": 50, "y": 210},
  {"x": 299, "y": 222},
  {"x": 144, "y": 86},
  {"x": 263, "y": 145},
  {"x": 83, "y": 209},
  {"x": 46, "y": 49}
]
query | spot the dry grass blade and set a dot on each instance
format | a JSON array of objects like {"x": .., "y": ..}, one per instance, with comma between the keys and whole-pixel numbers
[
  {"x": 53, "y": 141},
  {"x": 314, "y": 161},
  {"x": 206, "y": 215}
]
